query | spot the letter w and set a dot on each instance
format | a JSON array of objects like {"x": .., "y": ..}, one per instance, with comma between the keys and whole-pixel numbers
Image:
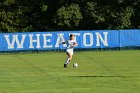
[{"x": 14, "y": 40}]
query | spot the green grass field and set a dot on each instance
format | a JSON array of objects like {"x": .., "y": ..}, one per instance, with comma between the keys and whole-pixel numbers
[{"x": 98, "y": 72}]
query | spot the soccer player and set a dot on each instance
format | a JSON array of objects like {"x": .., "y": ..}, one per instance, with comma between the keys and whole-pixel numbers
[{"x": 71, "y": 43}]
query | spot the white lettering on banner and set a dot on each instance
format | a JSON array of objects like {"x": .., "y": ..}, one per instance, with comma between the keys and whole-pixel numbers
[
  {"x": 34, "y": 41},
  {"x": 60, "y": 37},
  {"x": 90, "y": 39},
  {"x": 100, "y": 38},
  {"x": 47, "y": 40},
  {"x": 14, "y": 40}
]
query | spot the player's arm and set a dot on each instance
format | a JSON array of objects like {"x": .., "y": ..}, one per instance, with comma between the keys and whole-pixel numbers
[
  {"x": 63, "y": 42},
  {"x": 75, "y": 44}
]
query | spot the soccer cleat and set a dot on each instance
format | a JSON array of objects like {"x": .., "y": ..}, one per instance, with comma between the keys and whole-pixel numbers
[{"x": 65, "y": 65}]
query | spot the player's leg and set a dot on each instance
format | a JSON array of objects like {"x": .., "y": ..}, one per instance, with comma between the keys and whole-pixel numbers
[
  {"x": 70, "y": 54},
  {"x": 69, "y": 57}
]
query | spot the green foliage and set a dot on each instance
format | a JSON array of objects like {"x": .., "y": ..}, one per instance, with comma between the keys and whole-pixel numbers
[
  {"x": 42, "y": 15},
  {"x": 124, "y": 20},
  {"x": 9, "y": 2},
  {"x": 44, "y": 8},
  {"x": 13, "y": 21},
  {"x": 94, "y": 12},
  {"x": 13, "y": 18},
  {"x": 68, "y": 16}
]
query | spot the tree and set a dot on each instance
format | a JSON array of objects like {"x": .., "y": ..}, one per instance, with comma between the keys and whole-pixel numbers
[
  {"x": 21, "y": 16},
  {"x": 48, "y": 15},
  {"x": 68, "y": 17},
  {"x": 93, "y": 16},
  {"x": 124, "y": 18}
]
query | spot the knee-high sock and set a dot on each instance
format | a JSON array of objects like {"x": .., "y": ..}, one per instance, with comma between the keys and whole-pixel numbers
[{"x": 67, "y": 61}]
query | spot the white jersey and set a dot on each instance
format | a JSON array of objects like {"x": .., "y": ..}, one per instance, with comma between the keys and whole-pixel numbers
[{"x": 70, "y": 44}]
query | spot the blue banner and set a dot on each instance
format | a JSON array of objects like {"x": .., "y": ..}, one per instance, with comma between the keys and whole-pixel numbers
[{"x": 85, "y": 39}]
